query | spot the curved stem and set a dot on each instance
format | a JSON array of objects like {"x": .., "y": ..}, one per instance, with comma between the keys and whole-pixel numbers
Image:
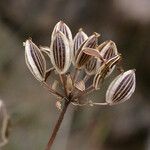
[{"x": 57, "y": 126}]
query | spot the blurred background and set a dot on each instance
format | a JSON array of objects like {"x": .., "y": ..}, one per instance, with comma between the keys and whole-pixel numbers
[{"x": 32, "y": 108}]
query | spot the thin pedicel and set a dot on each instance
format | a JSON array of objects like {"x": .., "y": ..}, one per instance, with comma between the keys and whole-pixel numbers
[{"x": 96, "y": 61}]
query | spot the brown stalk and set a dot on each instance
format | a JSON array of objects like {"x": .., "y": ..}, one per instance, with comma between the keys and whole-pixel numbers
[
  {"x": 63, "y": 81},
  {"x": 57, "y": 126}
]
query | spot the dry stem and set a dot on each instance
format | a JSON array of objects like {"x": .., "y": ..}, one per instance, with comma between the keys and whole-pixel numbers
[{"x": 57, "y": 126}]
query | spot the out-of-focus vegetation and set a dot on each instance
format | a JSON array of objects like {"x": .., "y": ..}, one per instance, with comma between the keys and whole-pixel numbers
[{"x": 32, "y": 109}]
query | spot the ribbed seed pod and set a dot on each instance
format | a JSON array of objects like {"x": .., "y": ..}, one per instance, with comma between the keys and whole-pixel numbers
[
  {"x": 121, "y": 88},
  {"x": 92, "y": 66},
  {"x": 81, "y": 58},
  {"x": 4, "y": 124},
  {"x": 60, "y": 53},
  {"x": 104, "y": 70},
  {"x": 79, "y": 39},
  {"x": 61, "y": 26},
  {"x": 108, "y": 50},
  {"x": 35, "y": 60}
]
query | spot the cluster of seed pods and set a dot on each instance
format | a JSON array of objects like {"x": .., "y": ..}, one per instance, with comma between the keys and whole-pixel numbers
[{"x": 80, "y": 55}]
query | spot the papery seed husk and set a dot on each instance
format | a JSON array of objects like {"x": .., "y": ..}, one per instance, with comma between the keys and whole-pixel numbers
[
  {"x": 104, "y": 70},
  {"x": 61, "y": 26},
  {"x": 121, "y": 88},
  {"x": 81, "y": 58},
  {"x": 108, "y": 50},
  {"x": 92, "y": 66},
  {"x": 60, "y": 53},
  {"x": 79, "y": 39},
  {"x": 35, "y": 60},
  {"x": 80, "y": 85}
]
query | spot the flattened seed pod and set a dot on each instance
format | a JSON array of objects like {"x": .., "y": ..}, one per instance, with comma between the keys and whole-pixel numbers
[
  {"x": 35, "y": 60},
  {"x": 81, "y": 58},
  {"x": 108, "y": 50},
  {"x": 92, "y": 66},
  {"x": 104, "y": 70},
  {"x": 61, "y": 26},
  {"x": 121, "y": 88},
  {"x": 60, "y": 53},
  {"x": 79, "y": 39}
]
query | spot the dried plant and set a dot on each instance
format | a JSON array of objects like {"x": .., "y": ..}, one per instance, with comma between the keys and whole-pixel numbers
[
  {"x": 96, "y": 61},
  {"x": 4, "y": 124}
]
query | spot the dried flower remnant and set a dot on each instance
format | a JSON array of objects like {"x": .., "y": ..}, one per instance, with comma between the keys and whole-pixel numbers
[
  {"x": 4, "y": 124},
  {"x": 96, "y": 60}
]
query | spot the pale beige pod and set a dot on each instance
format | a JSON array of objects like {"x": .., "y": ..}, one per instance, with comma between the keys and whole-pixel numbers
[
  {"x": 35, "y": 60},
  {"x": 104, "y": 70},
  {"x": 121, "y": 88},
  {"x": 78, "y": 40},
  {"x": 92, "y": 66},
  {"x": 60, "y": 53},
  {"x": 61, "y": 26},
  {"x": 108, "y": 50},
  {"x": 82, "y": 58}
]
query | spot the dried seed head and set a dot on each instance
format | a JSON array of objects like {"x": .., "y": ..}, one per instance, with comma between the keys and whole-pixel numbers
[
  {"x": 60, "y": 53},
  {"x": 4, "y": 124},
  {"x": 79, "y": 39},
  {"x": 35, "y": 60},
  {"x": 82, "y": 58},
  {"x": 121, "y": 88},
  {"x": 104, "y": 70},
  {"x": 61, "y": 26}
]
